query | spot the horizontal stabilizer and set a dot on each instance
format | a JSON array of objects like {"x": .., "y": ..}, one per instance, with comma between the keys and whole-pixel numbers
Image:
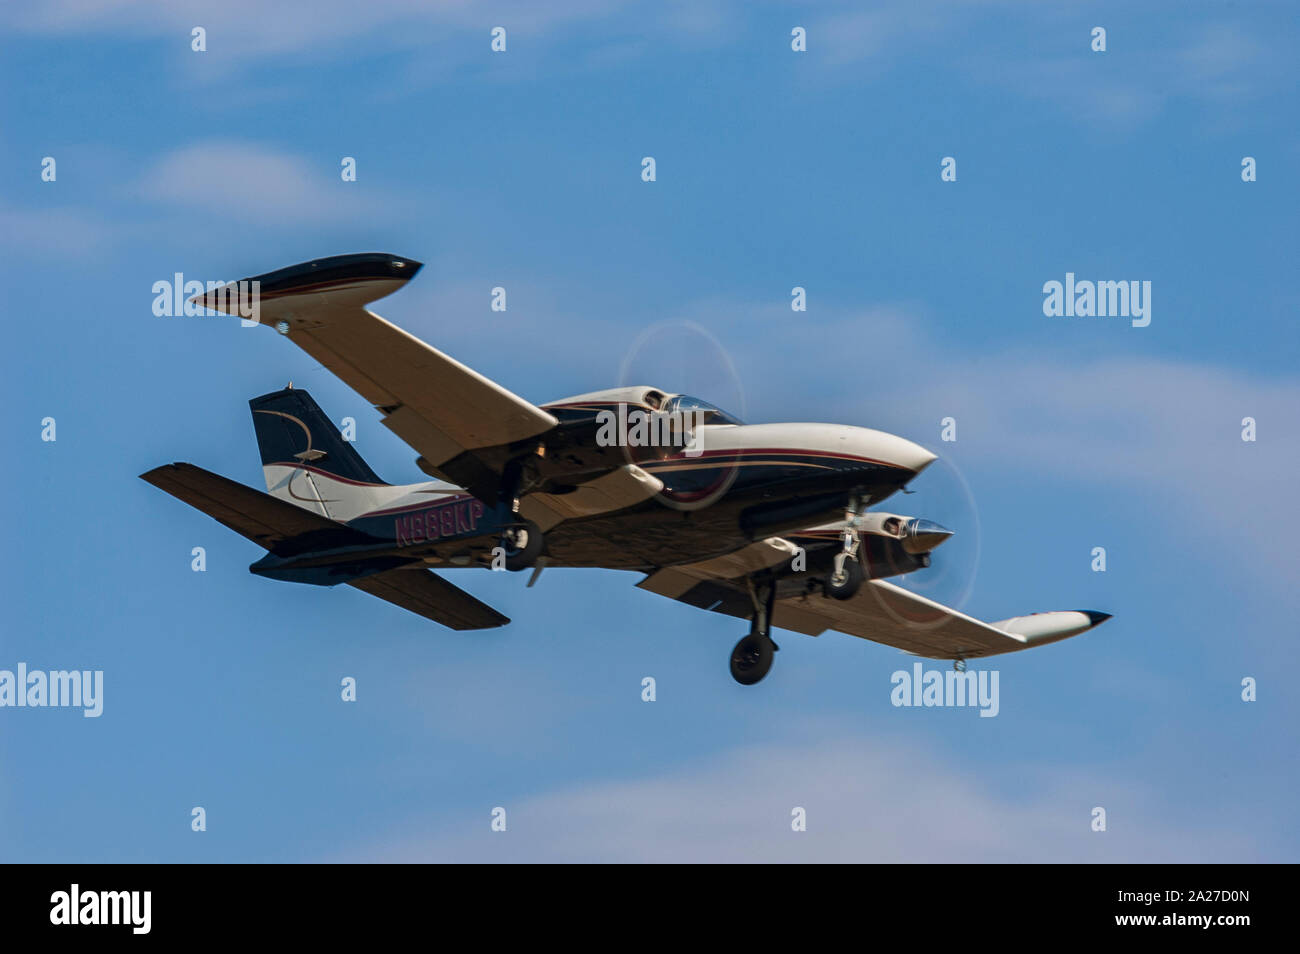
[
  {"x": 425, "y": 593},
  {"x": 277, "y": 525}
]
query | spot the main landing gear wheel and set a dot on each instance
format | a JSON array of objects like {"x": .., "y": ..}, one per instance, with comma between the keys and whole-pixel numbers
[
  {"x": 752, "y": 658},
  {"x": 522, "y": 544}
]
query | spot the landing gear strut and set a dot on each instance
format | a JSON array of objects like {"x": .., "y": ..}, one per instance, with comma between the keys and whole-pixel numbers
[
  {"x": 847, "y": 575},
  {"x": 753, "y": 655},
  {"x": 522, "y": 540}
]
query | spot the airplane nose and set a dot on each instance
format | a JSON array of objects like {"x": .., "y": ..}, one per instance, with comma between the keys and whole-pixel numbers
[
  {"x": 886, "y": 448},
  {"x": 924, "y": 535},
  {"x": 912, "y": 456}
]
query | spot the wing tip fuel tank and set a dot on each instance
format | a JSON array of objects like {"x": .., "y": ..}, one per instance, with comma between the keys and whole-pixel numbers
[
  {"x": 1039, "y": 628},
  {"x": 355, "y": 279}
]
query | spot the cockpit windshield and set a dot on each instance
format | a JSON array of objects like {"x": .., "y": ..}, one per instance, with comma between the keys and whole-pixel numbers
[{"x": 715, "y": 415}]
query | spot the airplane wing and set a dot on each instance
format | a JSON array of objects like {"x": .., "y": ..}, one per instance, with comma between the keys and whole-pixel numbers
[
  {"x": 879, "y": 611},
  {"x": 450, "y": 414},
  {"x": 889, "y": 614}
]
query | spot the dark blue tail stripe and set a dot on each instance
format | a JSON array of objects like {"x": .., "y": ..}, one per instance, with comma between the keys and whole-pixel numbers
[{"x": 291, "y": 428}]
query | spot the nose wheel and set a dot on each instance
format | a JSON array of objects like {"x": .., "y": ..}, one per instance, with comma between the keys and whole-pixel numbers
[
  {"x": 846, "y": 578},
  {"x": 847, "y": 573},
  {"x": 752, "y": 657}
]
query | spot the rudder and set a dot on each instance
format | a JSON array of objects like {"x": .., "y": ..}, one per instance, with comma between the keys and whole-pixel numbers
[{"x": 304, "y": 457}]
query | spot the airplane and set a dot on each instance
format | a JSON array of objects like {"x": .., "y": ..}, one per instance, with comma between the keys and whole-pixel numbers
[{"x": 770, "y": 523}]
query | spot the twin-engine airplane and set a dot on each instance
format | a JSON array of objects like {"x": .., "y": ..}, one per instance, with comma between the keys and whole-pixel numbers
[{"x": 764, "y": 522}]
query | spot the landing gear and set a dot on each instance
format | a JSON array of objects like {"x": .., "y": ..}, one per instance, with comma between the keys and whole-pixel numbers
[
  {"x": 752, "y": 658},
  {"x": 847, "y": 575},
  {"x": 522, "y": 540},
  {"x": 753, "y": 655},
  {"x": 845, "y": 579},
  {"x": 522, "y": 544}
]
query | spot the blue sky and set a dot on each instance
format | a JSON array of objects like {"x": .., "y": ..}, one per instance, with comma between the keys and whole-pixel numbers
[{"x": 774, "y": 169}]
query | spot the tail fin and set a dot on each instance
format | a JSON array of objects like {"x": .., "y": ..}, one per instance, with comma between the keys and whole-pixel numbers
[{"x": 305, "y": 459}]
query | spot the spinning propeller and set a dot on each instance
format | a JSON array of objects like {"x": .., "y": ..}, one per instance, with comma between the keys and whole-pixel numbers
[{"x": 947, "y": 527}]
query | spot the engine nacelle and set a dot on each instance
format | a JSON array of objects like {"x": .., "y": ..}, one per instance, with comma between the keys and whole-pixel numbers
[
  {"x": 886, "y": 556},
  {"x": 915, "y": 534}
]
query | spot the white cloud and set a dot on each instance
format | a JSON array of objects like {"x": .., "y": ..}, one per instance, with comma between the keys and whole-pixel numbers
[
  {"x": 57, "y": 233},
  {"x": 878, "y": 37},
  {"x": 252, "y": 28},
  {"x": 866, "y": 801},
  {"x": 1217, "y": 64},
  {"x": 255, "y": 184}
]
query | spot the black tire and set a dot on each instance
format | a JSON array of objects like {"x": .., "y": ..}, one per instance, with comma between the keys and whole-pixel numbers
[
  {"x": 852, "y": 580},
  {"x": 523, "y": 544},
  {"x": 751, "y": 659}
]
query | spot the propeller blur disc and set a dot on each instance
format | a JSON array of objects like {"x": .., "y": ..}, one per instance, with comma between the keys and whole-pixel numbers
[
  {"x": 682, "y": 357},
  {"x": 942, "y": 495}
]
